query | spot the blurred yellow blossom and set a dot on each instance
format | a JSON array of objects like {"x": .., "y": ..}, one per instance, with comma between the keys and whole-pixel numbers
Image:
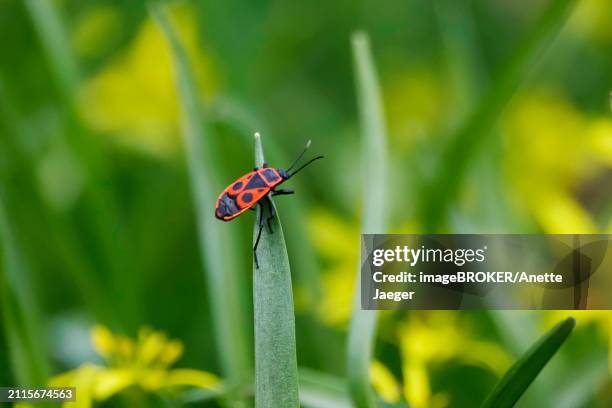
[
  {"x": 593, "y": 18},
  {"x": 416, "y": 103},
  {"x": 384, "y": 382},
  {"x": 134, "y": 97},
  {"x": 600, "y": 140},
  {"x": 338, "y": 242},
  {"x": 428, "y": 338},
  {"x": 143, "y": 363},
  {"x": 551, "y": 148}
]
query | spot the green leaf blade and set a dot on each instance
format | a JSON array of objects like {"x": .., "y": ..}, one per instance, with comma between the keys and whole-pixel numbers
[
  {"x": 54, "y": 38},
  {"x": 55, "y": 42},
  {"x": 514, "y": 383},
  {"x": 478, "y": 126},
  {"x": 20, "y": 312},
  {"x": 276, "y": 375},
  {"x": 362, "y": 330},
  {"x": 229, "y": 317},
  {"x": 322, "y": 390}
]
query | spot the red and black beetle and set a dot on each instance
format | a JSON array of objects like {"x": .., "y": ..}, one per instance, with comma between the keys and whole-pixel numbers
[{"x": 254, "y": 188}]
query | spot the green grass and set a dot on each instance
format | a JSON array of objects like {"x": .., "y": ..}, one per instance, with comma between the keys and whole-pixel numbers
[
  {"x": 477, "y": 128},
  {"x": 20, "y": 312},
  {"x": 215, "y": 243},
  {"x": 98, "y": 194},
  {"x": 516, "y": 381},
  {"x": 276, "y": 378},
  {"x": 362, "y": 332},
  {"x": 321, "y": 390},
  {"x": 54, "y": 39},
  {"x": 62, "y": 231},
  {"x": 94, "y": 244}
]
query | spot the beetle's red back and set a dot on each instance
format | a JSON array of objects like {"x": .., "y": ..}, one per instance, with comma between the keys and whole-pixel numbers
[{"x": 245, "y": 192}]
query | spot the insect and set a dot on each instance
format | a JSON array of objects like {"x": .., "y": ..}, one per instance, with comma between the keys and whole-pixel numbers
[{"x": 255, "y": 188}]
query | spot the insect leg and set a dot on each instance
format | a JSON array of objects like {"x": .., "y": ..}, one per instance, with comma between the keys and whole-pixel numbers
[
  {"x": 282, "y": 191},
  {"x": 261, "y": 225},
  {"x": 272, "y": 214}
]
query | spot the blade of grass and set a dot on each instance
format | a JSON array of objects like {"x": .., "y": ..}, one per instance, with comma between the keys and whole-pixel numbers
[
  {"x": 98, "y": 197},
  {"x": 276, "y": 377},
  {"x": 229, "y": 111},
  {"x": 463, "y": 59},
  {"x": 27, "y": 199},
  {"x": 569, "y": 391},
  {"x": 215, "y": 245},
  {"x": 374, "y": 220},
  {"x": 322, "y": 390},
  {"x": 20, "y": 312},
  {"x": 444, "y": 187},
  {"x": 55, "y": 44},
  {"x": 525, "y": 370}
]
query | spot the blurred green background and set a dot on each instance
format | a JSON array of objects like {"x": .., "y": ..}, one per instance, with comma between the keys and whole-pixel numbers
[{"x": 98, "y": 223}]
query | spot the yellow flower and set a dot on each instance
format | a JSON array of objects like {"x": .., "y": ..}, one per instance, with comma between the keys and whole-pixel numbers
[
  {"x": 134, "y": 98},
  {"x": 593, "y": 18},
  {"x": 338, "y": 242},
  {"x": 384, "y": 382},
  {"x": 417, "y": 104},
  {"x": 142, "y": 363},
  {"x": 431, "y": 338},
  {"x": 552, "y": 148}
]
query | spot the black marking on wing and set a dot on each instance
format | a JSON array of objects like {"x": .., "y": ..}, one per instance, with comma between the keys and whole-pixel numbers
[
  {"x": 227, "y": 206},
  {"x": 255, "y": 182},
  {"x": 270, "y": 175},
  {"x": 247, "y": 197}
]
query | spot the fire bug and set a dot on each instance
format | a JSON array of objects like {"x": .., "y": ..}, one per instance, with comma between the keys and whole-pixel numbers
[{"x": 254, "y": 188}]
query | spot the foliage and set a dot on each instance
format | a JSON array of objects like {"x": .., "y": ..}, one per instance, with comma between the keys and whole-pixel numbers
[{"x": 120, "y": 122}]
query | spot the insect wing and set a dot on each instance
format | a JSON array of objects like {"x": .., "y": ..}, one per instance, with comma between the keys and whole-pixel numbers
[{"x": 241, "y": 195}]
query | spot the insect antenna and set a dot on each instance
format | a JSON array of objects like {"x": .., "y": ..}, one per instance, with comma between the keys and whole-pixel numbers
[
  {"x": 299, "y": 157},
  {"x": 307, "y": 163}
]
